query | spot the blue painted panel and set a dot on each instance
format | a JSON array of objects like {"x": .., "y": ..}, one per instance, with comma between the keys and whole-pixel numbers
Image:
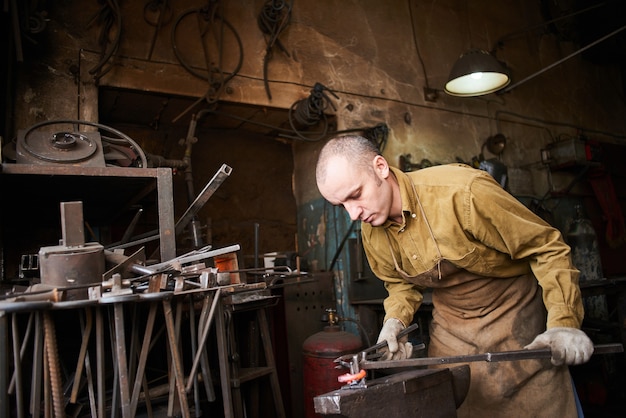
[{"x": 321, "y": 229}]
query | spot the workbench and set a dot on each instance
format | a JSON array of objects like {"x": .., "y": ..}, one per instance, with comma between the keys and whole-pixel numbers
[{"x": 116, "y": 360}]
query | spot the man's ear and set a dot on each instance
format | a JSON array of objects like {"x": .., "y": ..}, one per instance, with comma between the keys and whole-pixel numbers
[{"x": 381, "y": 167}]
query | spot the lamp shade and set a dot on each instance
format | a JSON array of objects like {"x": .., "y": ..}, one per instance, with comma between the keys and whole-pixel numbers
[{"x": 475, "y": 73}]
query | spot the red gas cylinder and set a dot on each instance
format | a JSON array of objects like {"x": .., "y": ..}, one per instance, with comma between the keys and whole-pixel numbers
[{"x": 318, "y": 367}]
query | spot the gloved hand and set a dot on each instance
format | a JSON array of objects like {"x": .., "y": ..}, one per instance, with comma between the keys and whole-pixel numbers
[
  {"x": 569, "y": 346},
  {"x": 395, "y": 350}
]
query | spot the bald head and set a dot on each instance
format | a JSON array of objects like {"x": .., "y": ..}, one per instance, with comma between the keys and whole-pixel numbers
[
  {"x": 359, "y": 150},
  {"x": 352, "y": 173}
]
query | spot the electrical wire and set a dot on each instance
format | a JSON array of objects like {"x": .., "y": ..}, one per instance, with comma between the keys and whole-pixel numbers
[
  {"x": 417, "y": 47},
  {"x": 109, "y": 16},
  {"x": 275, "y": 16},
  {"x": 208, "y": 17},
  {"x": 341, "y": 245},
  {"x": 361, "y": 329},
  {"x": 310, "y": 111}
]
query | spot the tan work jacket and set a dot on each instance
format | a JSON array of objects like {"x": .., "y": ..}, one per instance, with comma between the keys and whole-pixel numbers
[
  {"x": 479, "y": 228},
  {"x": 484, "y": 255}
]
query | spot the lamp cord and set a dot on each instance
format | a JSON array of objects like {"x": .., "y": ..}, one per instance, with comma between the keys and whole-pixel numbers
[{"x": 417, "y": 47}]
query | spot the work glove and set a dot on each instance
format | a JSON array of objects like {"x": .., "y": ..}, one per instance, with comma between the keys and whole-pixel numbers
[
  {"x": 569, "y": 346},
  {"x": 395, "y": 349}
]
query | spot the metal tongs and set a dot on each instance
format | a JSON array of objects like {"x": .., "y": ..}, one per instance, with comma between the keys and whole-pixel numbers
[
  {"x": 359, "y": 363},
  {"x": 355, "y": 378}
]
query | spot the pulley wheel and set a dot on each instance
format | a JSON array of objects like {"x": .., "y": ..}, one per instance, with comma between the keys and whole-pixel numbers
[{"x": 60, "y": 147}]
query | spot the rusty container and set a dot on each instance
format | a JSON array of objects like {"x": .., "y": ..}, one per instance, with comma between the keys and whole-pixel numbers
[
  {"x": 318, "y": 367},
  {"x": 72, "y": 267}
]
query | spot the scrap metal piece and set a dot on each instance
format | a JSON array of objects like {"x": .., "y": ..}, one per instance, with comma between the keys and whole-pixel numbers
[
  {"x": 125, "y": 265},
  {"x": 203, "y": 197},
  {"x": 73, "y": 262}
]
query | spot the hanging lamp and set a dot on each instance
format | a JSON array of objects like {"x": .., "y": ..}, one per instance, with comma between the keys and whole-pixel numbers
[{"x": 476, "y": 73}]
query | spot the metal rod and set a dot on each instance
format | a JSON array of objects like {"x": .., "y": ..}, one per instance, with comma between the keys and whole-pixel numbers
[
  {"x": 176, "y": 341},
  {"x": 4, "y": 364},
  {"x": 488, "y": 357},
  {"x": 204, "y": 359},
  {"x": 83, "y": 352},
  {"x": 23, "y": 348},
  {"x": 37, "y": 373},
  {"x": 512, "y": 86},
  {"x": 90, "y": 387},
  {"x": 223, "y": 357},
  {"x": 194, "y": 342},
  {"x": 122, "y": 366},
  {"x": 17, "y": 366},
  {"x": 202, "y": 342},
  {"x": 176, "y": 360},
  {"x": 383, "y": 343},
  {"x": 143, "y": 357},
  {"x": 131, "y": 227},
  {"x": 100, "y": 362}
]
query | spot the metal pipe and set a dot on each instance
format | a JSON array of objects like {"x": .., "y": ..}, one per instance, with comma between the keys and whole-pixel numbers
[{"x": 210, "y": 188}]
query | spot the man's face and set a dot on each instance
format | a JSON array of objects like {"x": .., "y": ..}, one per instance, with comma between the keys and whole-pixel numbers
[{"x": 365, "y": 194}]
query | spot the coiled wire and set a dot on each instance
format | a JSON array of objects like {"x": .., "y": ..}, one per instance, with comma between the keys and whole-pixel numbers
[
  {"x": 275, "y": 16},
  {"x": 310, "y": 111}
]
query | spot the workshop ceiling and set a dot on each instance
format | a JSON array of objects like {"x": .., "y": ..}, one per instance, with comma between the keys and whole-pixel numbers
[{"x": 157, "y": 111}]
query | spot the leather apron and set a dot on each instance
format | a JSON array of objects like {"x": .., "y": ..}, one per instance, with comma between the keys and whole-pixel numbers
[{"x": 473, "y": 314}]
